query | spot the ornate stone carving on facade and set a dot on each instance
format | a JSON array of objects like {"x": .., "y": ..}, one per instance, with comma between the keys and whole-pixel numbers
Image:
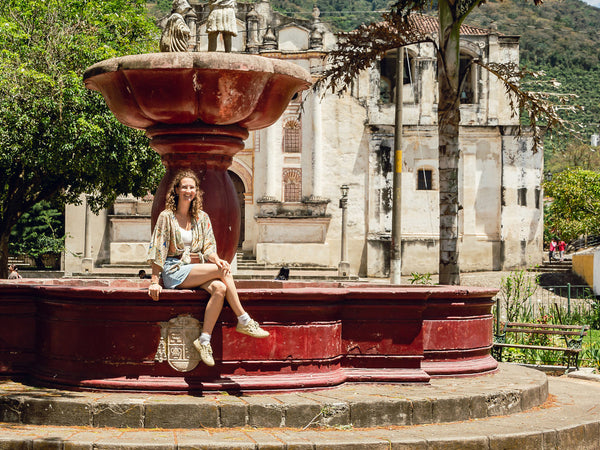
[
  {"x": 316, "y": 36},
  {"x": 252, "y": 23},
  {"x": 309, "y": 207},
  {"x": 269, "y": 41},
  {"x": 221, "y": 19},
  {"x": 177, "y": 34}
]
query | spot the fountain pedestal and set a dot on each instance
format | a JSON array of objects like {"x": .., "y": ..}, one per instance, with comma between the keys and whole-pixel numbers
[
  {"x": 197, "y": 109},
  {"x": 207, "y": 150}
]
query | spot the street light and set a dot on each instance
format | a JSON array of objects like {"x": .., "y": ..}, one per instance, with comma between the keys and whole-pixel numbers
[{"x": 344, "y": 265}]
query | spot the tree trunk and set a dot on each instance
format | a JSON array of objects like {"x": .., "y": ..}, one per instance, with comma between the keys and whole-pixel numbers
[{"x": 449, "y": 153}]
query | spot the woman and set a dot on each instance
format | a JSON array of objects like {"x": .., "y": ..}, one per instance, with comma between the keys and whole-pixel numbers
[
  {"x": 182, "y": 229},
  {"x": 551, "y": 250}
]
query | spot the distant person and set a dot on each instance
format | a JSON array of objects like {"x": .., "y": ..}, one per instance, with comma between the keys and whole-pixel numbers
[
  {"x": 143, "y": 275},
  {"x": 284, "y": 274},
  {"x": 13, "y": 272},
  {"x": 183, "y": 230},
  {"x": 552, "y": 249},
  {"x": 561, "y": 246}
]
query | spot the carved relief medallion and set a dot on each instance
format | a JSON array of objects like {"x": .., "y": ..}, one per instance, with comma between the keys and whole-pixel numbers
[{"x": 175, "y": 345}]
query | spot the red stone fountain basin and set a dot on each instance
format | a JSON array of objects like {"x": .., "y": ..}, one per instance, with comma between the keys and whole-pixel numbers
[
  {"x": 104, "y": 334},
  {"x": 182, "y": 88},
  {"x": 197, "y": 109}
]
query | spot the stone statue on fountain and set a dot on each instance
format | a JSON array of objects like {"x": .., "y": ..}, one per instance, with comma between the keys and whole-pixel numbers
[
  {"x": 221, "y": 19},
  {"x": 176, "y": 33}
]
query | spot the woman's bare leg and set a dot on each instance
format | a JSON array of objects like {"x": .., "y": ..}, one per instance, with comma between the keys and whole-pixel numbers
[
  {"x": 216, "y": 289},
  {"x": 202, "y": 273}
]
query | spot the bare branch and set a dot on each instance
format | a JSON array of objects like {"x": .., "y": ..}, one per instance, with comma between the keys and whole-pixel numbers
[
  {"x": 360, "y": 48},
  {"x": 542, "y": 107}
]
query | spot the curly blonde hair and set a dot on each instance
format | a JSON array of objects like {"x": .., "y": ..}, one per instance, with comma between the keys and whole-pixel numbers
[{"x": 173, "y": 198}]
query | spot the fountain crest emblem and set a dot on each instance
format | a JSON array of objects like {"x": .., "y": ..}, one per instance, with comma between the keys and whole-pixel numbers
[{"x": 175, "y": 345}]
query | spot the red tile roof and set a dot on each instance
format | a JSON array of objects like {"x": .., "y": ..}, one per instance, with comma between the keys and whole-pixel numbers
[{"x": 430, "y": 24}]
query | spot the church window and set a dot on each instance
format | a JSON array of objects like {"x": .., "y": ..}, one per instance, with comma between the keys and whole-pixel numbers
[
  {"x": 522, "y": 196},
  {"x": 292, "y": 185},
  {"x": 387, "y": 79},
  {"x": 424, "y": 179},
  {"x": 292, "y": 137},
  {"x": 468, "y": 79}
]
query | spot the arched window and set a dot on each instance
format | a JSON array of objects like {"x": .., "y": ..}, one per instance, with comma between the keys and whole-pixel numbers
[
  {"x": 292, "y": 137},
  {"x": 468, "y": 78},
  {"x": 387, "y": 68},
  {"x": 292, "y": 185}
]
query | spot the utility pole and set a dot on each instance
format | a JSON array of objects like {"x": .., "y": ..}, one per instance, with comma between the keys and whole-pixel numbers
[{"x": 396, "y": 248}]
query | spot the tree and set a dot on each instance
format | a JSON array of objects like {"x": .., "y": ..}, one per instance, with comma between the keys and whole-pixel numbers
[
  {"x": 58, "y": 140},
  {"x": 39, "y": 233},
  {"x": 576, "y": 154},
  {"x": 575, "y": 203},
  {"x": 360, "y": 48}
]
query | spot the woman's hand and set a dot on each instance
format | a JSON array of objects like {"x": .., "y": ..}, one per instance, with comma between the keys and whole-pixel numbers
[
  {"x": 223, "y": 265},
  {"x": 154, "y": 291}
]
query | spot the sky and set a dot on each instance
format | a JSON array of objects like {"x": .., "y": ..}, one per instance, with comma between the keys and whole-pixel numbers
[{"x": 595, "y": 3}]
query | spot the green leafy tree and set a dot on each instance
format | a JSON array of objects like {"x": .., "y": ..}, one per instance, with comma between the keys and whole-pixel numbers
[
  {"x": 575, "y": 204},
  {"x": 38, "y": 233},
  {"x": 58, "y": 140},
  {"x": 575, "y": 154}
]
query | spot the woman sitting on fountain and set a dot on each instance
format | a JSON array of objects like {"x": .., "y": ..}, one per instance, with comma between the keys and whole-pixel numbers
[{"x": 182, "y": 229}]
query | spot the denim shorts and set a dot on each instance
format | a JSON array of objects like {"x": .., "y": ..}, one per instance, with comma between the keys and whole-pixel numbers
[{"x": 175, "y": 272}]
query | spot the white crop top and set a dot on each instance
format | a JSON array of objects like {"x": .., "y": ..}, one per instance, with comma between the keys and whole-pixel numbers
[{"x": 186, "y": 235}]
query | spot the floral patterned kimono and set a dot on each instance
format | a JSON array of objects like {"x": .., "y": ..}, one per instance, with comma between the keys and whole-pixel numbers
[{"x": 168, "y": 251}]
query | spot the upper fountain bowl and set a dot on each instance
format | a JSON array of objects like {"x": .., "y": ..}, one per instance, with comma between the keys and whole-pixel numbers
[{"x": 181, "y": 88}]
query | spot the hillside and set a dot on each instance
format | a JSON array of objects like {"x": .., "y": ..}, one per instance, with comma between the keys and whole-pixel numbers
[{"x": 561, "y": 37}]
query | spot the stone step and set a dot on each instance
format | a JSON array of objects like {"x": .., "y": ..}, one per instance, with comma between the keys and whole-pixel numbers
[
  {"x": 570, "y": 419},
  {"x": 306, "y": 277},
  {"x": 260, "y": 266},
  {"x": 555, "y": 267},
  {"x": 510, "y": 390}
]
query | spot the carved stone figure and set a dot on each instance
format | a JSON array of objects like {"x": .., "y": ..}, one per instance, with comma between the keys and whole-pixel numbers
[
  {"x": 221, "y": 19},
  {"x": 176, "y": 34}
]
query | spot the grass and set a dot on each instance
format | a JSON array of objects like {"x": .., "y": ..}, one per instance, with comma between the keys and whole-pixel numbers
[{"x": 591, "y": 350}]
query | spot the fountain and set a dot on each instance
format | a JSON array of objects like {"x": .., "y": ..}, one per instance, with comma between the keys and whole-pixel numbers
[{"x": 197, "y": 109}]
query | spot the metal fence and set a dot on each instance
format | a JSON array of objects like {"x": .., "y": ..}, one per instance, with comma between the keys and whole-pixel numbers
[{"x": 569, "y": 302}]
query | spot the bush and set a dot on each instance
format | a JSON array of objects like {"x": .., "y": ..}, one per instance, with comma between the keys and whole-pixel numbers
[{"x": 39, "y": 234}]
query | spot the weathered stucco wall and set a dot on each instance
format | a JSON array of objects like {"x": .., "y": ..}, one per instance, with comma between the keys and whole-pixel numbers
[
  {"x": 349, "y": 139},
  {"x": 583, "y": 265}
]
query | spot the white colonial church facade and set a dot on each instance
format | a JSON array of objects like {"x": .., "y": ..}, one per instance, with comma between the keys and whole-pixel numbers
[{"x": 289, "y": 175}]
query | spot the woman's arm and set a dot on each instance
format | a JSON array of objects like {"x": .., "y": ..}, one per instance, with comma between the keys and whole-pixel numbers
[{"x": 155, "y": 288}]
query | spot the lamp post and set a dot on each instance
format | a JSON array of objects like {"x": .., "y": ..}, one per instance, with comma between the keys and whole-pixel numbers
[{"x": 344, "y": 265}]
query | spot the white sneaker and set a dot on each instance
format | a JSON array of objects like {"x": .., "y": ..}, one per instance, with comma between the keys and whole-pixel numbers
[
  {"x": 205, "y": 351},
  {"x": 252, "y": 328}
]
